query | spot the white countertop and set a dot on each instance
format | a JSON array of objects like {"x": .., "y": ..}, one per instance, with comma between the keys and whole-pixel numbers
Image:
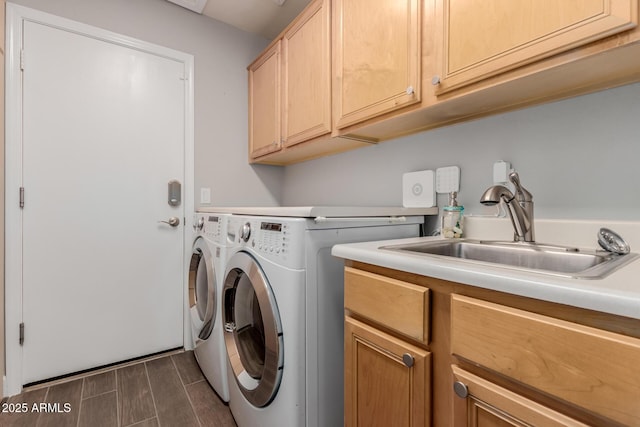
[
  {"x": 617, "y": 293},
  {"x": 321, "y": 211}
]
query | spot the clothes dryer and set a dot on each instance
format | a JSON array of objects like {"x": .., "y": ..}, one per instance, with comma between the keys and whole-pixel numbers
[
  {"x": 206, "y": 274},
  {"x": 283, "y": 315}
]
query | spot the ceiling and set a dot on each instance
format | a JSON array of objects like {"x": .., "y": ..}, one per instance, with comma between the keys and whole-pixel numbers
[{"x": 263, "y": 17}]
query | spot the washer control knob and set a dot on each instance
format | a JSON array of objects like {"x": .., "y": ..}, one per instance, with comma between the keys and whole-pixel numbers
[
  {"x": 200, "y": 225},
  {"x": 245, "y": 232}
]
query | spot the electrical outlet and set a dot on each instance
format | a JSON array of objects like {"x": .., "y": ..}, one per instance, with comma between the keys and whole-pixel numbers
[{"x": 501, "y": 172}]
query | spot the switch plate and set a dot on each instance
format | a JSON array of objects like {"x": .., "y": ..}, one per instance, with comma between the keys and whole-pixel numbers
[
  {"x": 448, "y": 179},
  {"x": 205, "y": 195}
]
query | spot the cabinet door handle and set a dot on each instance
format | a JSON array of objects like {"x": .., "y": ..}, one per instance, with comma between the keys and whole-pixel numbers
[
  {"x": 410, "y": 90},
  {"x": 435, "y": 80},
  {"x": 460, "y": 389},
  {"x": 408, "y": 360}
]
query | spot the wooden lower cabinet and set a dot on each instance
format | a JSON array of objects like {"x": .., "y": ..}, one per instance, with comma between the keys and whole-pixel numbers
[
  {"x": 480, "y": 358},
  {"x": 387, "y": 380},
  {"x": 587, "y": 367},
  {"x": 481, "y": 403}
]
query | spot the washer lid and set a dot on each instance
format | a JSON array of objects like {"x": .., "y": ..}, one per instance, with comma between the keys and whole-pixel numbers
[{"x": 323, "y": 211}]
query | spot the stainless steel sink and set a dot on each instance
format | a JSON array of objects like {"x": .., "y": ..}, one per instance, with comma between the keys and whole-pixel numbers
[{"x": 548, "y": 259}]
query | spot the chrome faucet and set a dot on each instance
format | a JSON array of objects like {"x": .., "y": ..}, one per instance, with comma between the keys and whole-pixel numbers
[{"x": 520, "y": 207}]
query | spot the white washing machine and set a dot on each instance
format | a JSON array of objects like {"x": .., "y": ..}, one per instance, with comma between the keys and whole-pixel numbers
[
  {"x": 283, "y": 313},
  {"x": 206, "y": 275}
]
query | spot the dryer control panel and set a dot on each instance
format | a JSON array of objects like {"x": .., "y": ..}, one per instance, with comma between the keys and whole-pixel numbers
[{"x": 278, "y": 239}]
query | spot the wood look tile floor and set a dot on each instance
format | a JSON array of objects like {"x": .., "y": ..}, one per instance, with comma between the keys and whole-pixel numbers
[{"x": 169, "y": 391}]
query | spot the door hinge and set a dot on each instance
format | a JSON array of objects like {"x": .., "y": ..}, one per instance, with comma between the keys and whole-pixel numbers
[
  {"x": 22, "y": 197},
  {"x": 21, "y": 333},
  {"x": 21, "y": 59}
]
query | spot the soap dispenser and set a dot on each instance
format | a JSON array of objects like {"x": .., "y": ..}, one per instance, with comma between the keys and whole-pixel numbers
[{"x": 452, "y": 220}]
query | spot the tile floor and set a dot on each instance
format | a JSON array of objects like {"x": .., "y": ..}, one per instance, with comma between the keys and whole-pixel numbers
[{"x": 168, "y": 391}]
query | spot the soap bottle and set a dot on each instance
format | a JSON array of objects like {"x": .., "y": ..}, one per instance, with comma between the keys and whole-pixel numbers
[{"x": 452, "y": 220}]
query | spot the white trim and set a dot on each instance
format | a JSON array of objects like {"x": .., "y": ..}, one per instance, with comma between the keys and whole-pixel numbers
[
  {"x": 194, "y": 5},
  {"x": 15, "y": 17}
]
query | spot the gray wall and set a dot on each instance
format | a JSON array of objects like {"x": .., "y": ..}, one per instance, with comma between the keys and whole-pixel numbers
[
  {"x": 579, "y": 157},
  {"x": 221, "y": 54}
]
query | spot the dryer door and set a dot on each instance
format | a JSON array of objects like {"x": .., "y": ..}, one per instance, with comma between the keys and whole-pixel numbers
[
  {"x": 202, "y": 291},
  {"x": 253, "y": 332}
]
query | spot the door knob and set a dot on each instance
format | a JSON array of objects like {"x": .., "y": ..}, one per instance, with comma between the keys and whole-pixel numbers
[{"x": 174, "y": 221}]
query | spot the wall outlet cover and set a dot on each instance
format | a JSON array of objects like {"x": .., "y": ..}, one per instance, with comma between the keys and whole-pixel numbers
[
  {"x": 418, "y": 189},
  {"x": 501, "y": 172}
]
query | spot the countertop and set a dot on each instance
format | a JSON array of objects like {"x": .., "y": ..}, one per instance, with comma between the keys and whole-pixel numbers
[{"x": 618, "y": 293}]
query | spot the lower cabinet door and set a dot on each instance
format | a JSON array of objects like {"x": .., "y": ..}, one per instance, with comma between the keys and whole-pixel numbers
[
  {"x": 481, "y": 403},
  {"x": 387, "y": 380}
]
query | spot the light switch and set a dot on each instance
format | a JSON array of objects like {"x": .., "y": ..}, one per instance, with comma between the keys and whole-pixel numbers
[{"x": 205, "y": 195}]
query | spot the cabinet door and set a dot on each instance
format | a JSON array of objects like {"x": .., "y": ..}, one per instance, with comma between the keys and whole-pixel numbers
[
  {"x": 376, "y": 57},
  {"x": 264, "y": 103},
  {"x": 483, "y": 38},
  {"x": 585, "y": 366},
  {"x": 306, "y": 76},
  {"x": 481, "y": 403},
  {"x": 387, "y": 381}
]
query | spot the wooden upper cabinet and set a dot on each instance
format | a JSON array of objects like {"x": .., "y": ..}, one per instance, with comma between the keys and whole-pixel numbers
[
  {"x": 290, "y": 90},
  {"x": 264, "y": 103},
  {"x": 307, "y": 76},
  {"x": 483, "y": 38},
  {"x": 377, "y": 58}
]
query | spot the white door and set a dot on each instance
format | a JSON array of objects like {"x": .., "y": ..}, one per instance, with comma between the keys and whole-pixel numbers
[{"x": 103, "y": 134}]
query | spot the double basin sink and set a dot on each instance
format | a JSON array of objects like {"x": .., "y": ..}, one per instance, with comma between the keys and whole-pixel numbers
[{"x": 531, "y": 257}]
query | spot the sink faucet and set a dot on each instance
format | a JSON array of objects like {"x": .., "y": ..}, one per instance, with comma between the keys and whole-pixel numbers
[{"x": 520, "y": 207}]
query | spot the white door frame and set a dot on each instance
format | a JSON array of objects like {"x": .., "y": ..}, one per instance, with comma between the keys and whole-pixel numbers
[{"x": 15, "y": 16}]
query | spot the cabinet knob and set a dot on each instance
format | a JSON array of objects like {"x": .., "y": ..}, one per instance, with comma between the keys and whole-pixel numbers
[
  {"x": 460, "y": 389},
  {"x": 435, "y": 80},
  {"x": 408, "y": 360},
  {"x": 410, "y": 90}
]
